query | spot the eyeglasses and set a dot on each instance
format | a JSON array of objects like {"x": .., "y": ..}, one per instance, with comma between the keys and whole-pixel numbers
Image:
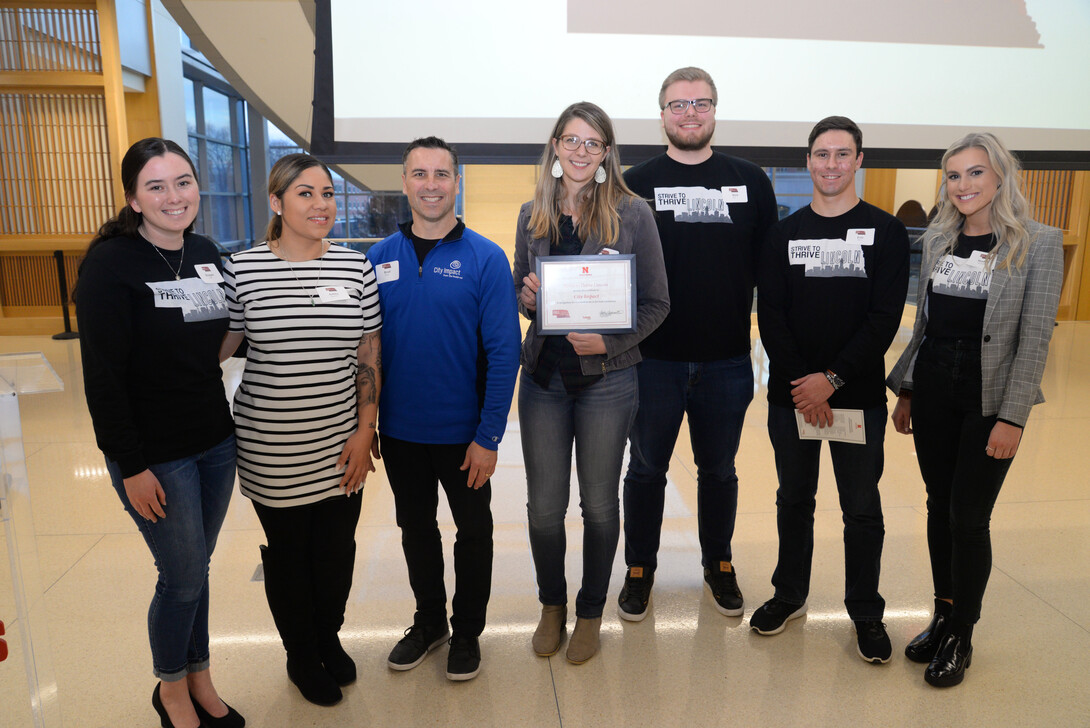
[
  {"x": 702, "y": 106},
  {"x": 593, "y": 146}
]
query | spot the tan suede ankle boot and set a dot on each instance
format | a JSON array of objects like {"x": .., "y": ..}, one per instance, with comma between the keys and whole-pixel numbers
[
  {"x": 550, "y": 630},
  {"x": 584, "y": 642}
]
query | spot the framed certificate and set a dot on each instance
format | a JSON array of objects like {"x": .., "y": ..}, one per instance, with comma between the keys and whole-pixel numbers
[{"x": 593, "y": 294}]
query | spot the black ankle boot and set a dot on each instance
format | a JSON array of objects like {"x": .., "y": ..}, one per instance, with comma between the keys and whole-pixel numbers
[
  {"x": 926, "y": 644},
  {"x": 316, "y": 685},
  {"x": 952, "y": 659}
]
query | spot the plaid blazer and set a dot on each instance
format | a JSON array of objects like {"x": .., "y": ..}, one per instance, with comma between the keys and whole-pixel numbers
[{"x": 1018, "y": 322}]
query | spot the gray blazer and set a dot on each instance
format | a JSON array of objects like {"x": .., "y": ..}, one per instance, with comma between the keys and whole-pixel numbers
[
  {"x": 638, "y": 235},
  {"x": 1018, "y": 322}
]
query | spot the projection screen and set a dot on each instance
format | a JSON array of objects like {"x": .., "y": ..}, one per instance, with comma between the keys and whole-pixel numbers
[{"x": 491, "y": 76}]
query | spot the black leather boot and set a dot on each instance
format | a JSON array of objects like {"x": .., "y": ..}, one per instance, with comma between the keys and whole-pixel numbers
[
  {"x": 332, "y": 579},
  {"x": 926, "y": 644},
  {"x": 287, "y": 587},
  {"x": 952, "y": 659}
]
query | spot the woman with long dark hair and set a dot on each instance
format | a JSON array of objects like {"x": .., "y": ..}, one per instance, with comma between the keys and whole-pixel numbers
[
  {"x": 151, "y": 316},
  {"x": 580, "y": 388},
  {"x": 305, "y": 413},
  {"x": 989, "y": 289}
]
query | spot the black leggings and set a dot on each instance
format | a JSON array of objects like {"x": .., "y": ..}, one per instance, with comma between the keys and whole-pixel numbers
[{"x": 962, "y": 481}]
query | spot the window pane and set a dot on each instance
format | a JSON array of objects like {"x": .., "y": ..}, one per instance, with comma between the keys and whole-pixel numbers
[
  {"x": 190, "y": 107},
  {"x": 224, "y": 218},
  {"x": 221, "y": 168},
  {"x": 217, "y": 115},
  {"x": 195, "y": 155}
]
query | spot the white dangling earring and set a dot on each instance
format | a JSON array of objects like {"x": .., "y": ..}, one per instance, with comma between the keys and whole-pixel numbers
[
  {"x": 600, "y": 174},
  {"x": 557, "y": 171}
]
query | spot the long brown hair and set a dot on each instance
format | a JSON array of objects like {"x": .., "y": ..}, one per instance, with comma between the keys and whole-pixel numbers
[{"x": 598, "y": 203}]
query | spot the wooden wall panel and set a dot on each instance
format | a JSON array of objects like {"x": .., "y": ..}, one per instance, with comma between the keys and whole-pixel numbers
[{"x": 31, "y": 280}]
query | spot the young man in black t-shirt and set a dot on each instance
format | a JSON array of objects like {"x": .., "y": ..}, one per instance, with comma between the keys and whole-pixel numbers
[
  {"x": 712, "y": 213},
  {"x": 831, "y": 288}
]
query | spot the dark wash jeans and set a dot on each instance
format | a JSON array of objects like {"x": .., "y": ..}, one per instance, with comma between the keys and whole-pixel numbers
[
  {"x": 715, "y": 396},
  {"x": 198, "y": 490},
  {"x": 962, "y": 481},
  {"x": 597, "y": 421},
  {"x": 415, "y": 471},
  {"x": 858, "y": 469}
]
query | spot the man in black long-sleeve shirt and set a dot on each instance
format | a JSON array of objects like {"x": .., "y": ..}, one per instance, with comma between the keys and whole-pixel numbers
[
  {"x": 713, "y": 212},
  {"x": 831, "y": 290}
]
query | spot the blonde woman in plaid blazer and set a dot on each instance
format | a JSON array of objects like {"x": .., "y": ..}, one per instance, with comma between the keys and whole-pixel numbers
[{"x": 989, "y": 289}]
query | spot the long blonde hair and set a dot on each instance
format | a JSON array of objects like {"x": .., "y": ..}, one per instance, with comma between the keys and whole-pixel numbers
[
  {"x": 1009, "y": 213},
  {"x": 598, "y": 203}
]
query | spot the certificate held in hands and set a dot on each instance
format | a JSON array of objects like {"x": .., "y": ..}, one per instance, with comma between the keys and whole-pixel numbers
[{"x": 594, "y": 294}]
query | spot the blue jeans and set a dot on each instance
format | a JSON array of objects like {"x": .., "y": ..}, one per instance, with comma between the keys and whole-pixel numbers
[
  {"x": 963, "y": 482},
  {"x": 715, "y": 395},
  {"x": 858, "y": 469},
  {"x": 198, "y": 489},
  {"x": 597, "y": 420}
]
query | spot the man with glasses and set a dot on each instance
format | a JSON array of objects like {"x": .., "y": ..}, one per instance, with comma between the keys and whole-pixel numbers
[
  {"x": 712, "y": 213},
  {"x": 832, "y": 288},
  {"x": 450, "y": 348}
]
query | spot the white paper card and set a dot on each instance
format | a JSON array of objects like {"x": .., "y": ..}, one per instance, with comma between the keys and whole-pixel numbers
[{"x": 847, "y": 427}]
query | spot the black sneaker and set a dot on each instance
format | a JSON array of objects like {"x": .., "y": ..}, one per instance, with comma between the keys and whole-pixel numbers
[
  {"x": 418, "y": 641},
  {"x": 636, "y": 592},
  {"x": 874, "y": 645},
  {"x": 464, "y": 658},
  {"x": 723, "y": 584},
  {"x": 771, "y": 616}
]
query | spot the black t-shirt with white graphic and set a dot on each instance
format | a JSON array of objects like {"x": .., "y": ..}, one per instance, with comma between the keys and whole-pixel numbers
[
  {"x": 712, "y": 219},
  {"x": 831, "y": 293},
  {"x": 957, "y": 293}
]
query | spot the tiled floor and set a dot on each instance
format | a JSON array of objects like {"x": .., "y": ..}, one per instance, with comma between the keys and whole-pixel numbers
[{"x": 686, "y": 665}]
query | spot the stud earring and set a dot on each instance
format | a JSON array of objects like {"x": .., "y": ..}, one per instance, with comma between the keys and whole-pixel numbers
[
  {"x": 600, "y": 174},
  {"x": 278, "y": 212},
  {"x": 557, "y": 171}
]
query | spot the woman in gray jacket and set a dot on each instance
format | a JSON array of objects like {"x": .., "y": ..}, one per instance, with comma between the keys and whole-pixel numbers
[
  {"x": 989, "y": 289},
  {"x": 580, "y": 387}
]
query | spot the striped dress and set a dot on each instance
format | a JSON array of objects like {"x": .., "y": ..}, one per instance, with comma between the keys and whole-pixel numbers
[{"x": 296, "y": 405}]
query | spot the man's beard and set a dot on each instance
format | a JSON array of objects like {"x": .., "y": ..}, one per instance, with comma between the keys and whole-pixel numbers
[{"x": 690, "y": 143}]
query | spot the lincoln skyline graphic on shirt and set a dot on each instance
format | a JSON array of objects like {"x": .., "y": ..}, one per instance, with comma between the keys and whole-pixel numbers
[{"x": 693, "y": 204}]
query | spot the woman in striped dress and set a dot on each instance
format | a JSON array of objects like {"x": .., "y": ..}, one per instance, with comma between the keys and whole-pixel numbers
[{"x": 305, "y": 413}]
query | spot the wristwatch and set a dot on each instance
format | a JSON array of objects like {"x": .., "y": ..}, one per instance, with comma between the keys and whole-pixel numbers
[{"x": 834, "y": 379}]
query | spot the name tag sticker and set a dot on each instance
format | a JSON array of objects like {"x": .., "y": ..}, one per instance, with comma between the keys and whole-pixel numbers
[
  {"x": 735, "y": 194},
  {"x": 608, "y": 251},
  {"x": 208, "y": 273},
  {"x": 978, "y": 259},
  {"x": 328, "y": 294},
  {"x": 861, "y": 236},
  {"x": 386, "y": 272}
]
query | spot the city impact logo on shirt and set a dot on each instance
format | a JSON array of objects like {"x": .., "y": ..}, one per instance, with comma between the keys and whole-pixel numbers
[{"x": 454, "y": 270}]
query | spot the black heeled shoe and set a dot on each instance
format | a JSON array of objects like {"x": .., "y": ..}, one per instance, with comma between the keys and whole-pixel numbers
[
  {"x": 952, "y": 659},
  {"x": 926, "y": 644},
  {"x": 231, "y": 720},
  {"x": 157, "y": 703}
]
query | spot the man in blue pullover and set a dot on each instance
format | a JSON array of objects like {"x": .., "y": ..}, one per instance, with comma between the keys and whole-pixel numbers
[{"x": 450, "y": 345}]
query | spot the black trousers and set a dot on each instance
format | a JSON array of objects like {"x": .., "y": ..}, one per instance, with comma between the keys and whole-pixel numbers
[
  {"x": 308, "y": 567},
  {"x": 415, "y": 471},
  {"x": 962, "y": 481}
]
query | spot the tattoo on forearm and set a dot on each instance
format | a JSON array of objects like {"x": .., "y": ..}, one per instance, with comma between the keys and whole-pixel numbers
[{"x": 366, "y": 384}]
